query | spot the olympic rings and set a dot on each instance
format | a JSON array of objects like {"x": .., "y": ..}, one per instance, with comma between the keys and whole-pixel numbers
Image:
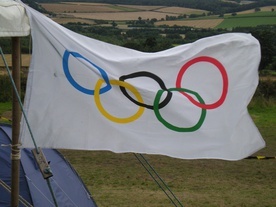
[
  {"x": 224, "y": 79},
  {"x": 175, "y": 128},
  {"x": 71, "y": 79},
  {"x": 138, "y": 100},
  {"x": 154, "y": 77},
  {"x": 106, "y": 114}
]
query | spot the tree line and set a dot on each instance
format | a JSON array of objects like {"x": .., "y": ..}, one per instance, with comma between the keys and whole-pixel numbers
[{"x": 162, "y": 38}]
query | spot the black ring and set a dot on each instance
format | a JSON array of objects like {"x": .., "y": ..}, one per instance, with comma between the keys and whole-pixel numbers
[{"x": 154, "y": 77}]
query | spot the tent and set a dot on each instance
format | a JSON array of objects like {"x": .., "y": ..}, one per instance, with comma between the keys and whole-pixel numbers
[{"x": 67, "y": 185}]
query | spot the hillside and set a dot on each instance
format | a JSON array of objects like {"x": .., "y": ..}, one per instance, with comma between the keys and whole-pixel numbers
[{"x": 214, "y": 6}]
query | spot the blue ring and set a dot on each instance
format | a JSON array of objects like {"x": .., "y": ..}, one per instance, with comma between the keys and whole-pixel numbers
[{"x": 74, "y": 83}]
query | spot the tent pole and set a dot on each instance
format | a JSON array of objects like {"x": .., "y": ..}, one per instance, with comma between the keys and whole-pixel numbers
[{"x": 16, "y": 115}]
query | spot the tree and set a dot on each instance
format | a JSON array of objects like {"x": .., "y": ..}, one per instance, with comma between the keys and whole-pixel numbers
[
  {"x": 267, "y": 42},
  {"x": 114, "y": 24}
]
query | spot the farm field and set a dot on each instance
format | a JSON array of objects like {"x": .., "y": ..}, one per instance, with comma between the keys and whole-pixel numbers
[
  {"x": 201, "y": 23},
  {"x": 265, "y": 8},
  {"x": 123, "y": 16},
  {"x": 88, "y": 12},
  {"x": 71, "y": 7},
  {"x": 25, "y": 60},
  {"x": 78, "y": 7},
  {"x": 246, "y": 22},
  {"x": 95, "y": 11}
]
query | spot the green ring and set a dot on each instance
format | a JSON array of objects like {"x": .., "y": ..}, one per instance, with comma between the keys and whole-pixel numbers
[{"x": 172, "y": 127}]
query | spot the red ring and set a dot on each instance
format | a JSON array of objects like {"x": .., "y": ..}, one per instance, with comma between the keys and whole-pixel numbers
[{"x": 224, "y": 79}]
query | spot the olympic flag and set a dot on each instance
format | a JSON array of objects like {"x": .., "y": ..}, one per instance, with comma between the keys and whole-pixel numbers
[{"x": 186, "y": 102}]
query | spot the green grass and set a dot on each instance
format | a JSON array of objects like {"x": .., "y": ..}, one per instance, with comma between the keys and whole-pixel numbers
[
  {"x": 5, "y": 112},
  {"x": 7, "y": 106},
  {"x": 120, "y": 180},
  {"x": 249, "y": 20},
  {"x": 125, "y": 9}
]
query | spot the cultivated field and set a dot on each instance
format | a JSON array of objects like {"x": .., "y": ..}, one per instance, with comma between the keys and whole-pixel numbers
[
  {"x": 123, "y": 16},
  {"x": 65, "y": 20},
  {"x": 114, "y": 12},
  {"x": 78, "y": 7},
  {"x": 202, "y": 23},
  {"x": 181, "y": 10},
  {"x": 87, "y": 12},
  {"x": 25, "y": 61},
  {"x": 247, "y": 22},
  {"x": 143, "y": 8},
  {"x": 265, "y": 8}
]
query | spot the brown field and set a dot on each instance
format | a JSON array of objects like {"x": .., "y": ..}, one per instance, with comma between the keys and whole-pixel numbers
[
  {"x": 181, "y": 10},
  {"x": 266, "y": 8},
  {"x": 144, "y": 8},
  {"x": 123, "y": 16},
  {"x": 78, "y": 7},
  {"x": 79, "y": 11},
  {"x": 86, "y": 3},
  {"x": 25, "y": 60},
  {"x": 203, "y": 23},
  {"x": 87, "y": 12},
  {"x": 65, "y": 20}
]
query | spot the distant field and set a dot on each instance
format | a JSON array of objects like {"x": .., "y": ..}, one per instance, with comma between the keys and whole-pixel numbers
[
  {"x": 114, "y": 12},
  {"x": 266, "y": 8},
  {"x": 87, "y": 12},
  {"x": 144, "y": 8},
  {"x": 78, "y": 7},
  {"x": 25, "y": 61},
  {"x": 66, "y": 20},
  {"x": 181, "y": 10},
  {"x": 246, "y": 22},
  {"x": 123, "y": 16},
  {"x": 202, "y": 23},
  {"x": 249, "y": 20}
]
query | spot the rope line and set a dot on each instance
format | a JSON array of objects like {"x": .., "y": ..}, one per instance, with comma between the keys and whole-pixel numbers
[
  {"x": 26, "y": 120},
  {"x": 15, "y": 155},
  {"x": 52, "y": 192},
  {"x": 21, "y": 199},
  {"x": 159, "y": 181},
  {"x": 18, "y": 98}
]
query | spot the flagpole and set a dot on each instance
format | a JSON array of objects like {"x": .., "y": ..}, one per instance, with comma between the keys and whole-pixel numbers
[{"x": 15, "y": 150}]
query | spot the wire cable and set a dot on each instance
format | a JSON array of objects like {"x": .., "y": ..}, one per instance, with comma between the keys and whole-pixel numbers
[
  {"x": 159, "y": 181},
  {"x": 25, "y": 118}
]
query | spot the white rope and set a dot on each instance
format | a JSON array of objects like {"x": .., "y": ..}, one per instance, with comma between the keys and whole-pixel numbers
[{"x": 21, "y": 199}]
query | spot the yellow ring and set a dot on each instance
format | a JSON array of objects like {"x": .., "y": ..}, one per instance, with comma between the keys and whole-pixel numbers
[{"x": 109, "y": 116}]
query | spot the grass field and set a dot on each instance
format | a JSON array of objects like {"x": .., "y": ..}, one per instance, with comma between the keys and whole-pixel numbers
[
  {"x": 120, "y": 180},
  {"x": 200, "y": 23},
  {"x": 249, "y": 20}
]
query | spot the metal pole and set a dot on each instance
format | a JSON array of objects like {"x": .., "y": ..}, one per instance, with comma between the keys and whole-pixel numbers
[{"x": 16, "y": 116}]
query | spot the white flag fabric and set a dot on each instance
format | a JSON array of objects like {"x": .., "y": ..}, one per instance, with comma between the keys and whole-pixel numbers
[{"x": 186, "y": 102}]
